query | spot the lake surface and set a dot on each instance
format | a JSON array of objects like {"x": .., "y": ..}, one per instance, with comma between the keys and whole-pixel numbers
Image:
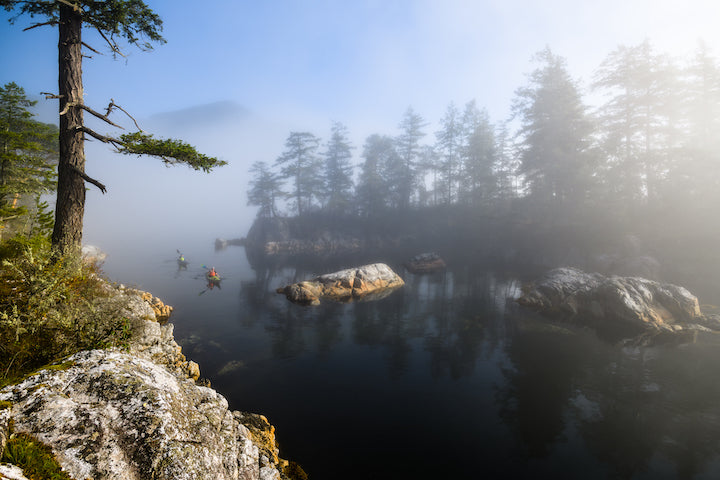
[{"x": 445, "y": 378}]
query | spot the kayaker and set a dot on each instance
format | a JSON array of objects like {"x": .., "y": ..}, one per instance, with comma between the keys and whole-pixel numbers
[{"x": 212, "y": 272}]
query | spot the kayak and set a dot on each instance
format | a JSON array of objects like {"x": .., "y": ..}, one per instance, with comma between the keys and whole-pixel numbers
[{"x": 212, "y": 278}]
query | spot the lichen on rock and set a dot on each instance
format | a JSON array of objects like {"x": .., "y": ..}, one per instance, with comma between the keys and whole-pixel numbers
[{"x": 646, "y": 306}]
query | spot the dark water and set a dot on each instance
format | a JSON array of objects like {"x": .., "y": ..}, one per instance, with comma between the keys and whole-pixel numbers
[{"x": 445, "y": 378}]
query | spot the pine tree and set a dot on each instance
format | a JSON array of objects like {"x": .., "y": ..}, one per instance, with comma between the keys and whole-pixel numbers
[
  {"x": 28, "y": 152},
  {"x": 265, "y": 190},
  {"x": 301, "y": 164},
  {"x": 478, "y": 183},
  {"x": 638, "y": 122},
  {"x": 404, "y": 175},
  {"x": 449, "y": 146},
  {"x": 374, "y": 192},
  {"x": 133, "y": 21},
  {"x": 338, "y": 170},
  {"x": 554, "y": 134}
]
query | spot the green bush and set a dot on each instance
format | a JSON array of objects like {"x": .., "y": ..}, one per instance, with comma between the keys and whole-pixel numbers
[{"x": 51, "y": 307}]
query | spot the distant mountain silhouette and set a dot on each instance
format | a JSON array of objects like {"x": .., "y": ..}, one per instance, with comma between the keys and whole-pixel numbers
[{"x": 217, "y": 113}]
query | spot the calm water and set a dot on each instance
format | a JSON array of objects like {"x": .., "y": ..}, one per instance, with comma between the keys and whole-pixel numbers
[{"x": 445, "y": 378}]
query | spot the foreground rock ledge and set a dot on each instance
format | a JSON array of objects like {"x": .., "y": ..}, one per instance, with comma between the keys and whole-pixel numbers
[
  {"x": 368, "y": 282},
  {"x": 138, "y": 413},
  {"x": 642, "y": 305}
]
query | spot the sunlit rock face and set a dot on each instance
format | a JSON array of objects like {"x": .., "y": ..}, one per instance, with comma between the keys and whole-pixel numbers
[
  {"x": 366, "y": 282},
  {"x": 113, "y": 415},
  {"x": 633, "y": 301}
]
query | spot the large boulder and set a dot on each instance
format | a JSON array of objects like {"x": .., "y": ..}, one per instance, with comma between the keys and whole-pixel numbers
[
  {"x": 113, "y": 415},
  {"x": 367, "y": 282},
  {"x": 635, "y": 302}
]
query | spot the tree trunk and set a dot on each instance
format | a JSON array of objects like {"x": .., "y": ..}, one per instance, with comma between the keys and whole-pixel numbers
[{"x": 70, "y": 206}]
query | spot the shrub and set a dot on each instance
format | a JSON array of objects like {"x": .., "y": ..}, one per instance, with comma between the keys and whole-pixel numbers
[{"x": 51, "y": 307}]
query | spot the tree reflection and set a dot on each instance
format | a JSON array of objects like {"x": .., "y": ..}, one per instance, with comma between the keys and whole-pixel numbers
[{"x": 631, "y": 413}]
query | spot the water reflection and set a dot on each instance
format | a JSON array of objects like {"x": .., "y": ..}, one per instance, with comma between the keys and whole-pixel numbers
[{"x": 540, "y": 397}]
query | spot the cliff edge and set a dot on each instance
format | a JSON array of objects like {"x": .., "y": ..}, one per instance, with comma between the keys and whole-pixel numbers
[{"x": 138, "y": 413}]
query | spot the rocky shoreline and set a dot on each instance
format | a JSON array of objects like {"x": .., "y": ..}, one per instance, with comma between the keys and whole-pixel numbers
[{"x": 140, "y": 412}]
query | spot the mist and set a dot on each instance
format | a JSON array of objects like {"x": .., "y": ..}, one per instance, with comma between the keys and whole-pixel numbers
[{"x": 507, "y": 138}]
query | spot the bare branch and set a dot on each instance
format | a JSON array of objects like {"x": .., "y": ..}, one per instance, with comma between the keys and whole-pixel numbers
[
  {"x": 93, "y": 112},
  {"x": 112, "y": 105},
  {"x": 51, "y": 22},
  {"x": 88, "y": 179},
  {"x": 50, "y": 96},
  {"x": 90, "y": 48},
  {"x": 112, "y": 44}
]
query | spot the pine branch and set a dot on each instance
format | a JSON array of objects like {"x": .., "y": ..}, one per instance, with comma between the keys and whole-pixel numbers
[{"x": 51, "y": 22}]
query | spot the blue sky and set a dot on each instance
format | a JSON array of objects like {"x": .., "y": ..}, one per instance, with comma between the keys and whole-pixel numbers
[
  {"x": 300, "y": 64},
  {"x": 363, "y": 61}
]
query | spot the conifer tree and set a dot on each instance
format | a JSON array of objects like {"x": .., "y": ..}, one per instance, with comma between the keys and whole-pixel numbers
[
  {"x": 28, "y": 151},
  {"x": 554, "y": 134},
  {"x": 404, "y": 174},
  {"x": 448, "y": 147},
  {"x": 374, "y": 191},
  {"x": 338, "y": 170},
  {"x": 265, "y": 189},
  {"x": 113, "y": 20},
  {"x": 301, "y": 165},
  {"x": 637, "y": 122}
]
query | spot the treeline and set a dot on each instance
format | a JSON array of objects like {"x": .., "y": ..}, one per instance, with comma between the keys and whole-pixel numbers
[{"x": 651, "y": 146}]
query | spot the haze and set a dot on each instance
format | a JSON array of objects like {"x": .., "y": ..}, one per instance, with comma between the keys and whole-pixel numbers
[{"x": 236, "y": 77}]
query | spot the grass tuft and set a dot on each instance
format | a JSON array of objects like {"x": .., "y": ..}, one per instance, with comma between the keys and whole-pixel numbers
[{"x": 34, "y": 458}]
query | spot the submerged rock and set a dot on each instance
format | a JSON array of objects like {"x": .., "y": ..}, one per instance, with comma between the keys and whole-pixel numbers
[
  {"x": 643, "y": 305},
  {"x": 367, "y": 282},
  {"x": 425, "y": 263}
]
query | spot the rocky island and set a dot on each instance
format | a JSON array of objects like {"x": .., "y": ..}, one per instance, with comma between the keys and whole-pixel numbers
[
  {"x": 649, "y": 309},
  {"x": 366, "y": 282}
]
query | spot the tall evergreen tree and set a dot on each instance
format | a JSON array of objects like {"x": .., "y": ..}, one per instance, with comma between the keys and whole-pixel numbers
[
  {"x": 479, "y": 156},
  {"x": 28, "y": 151},
  {"x": 449, "y": 146},
  {"x": 265, "y": 189},
  {"x": 638, "y": 121},
  {"x": 132, "y": 21},
  {"x": 696, "y": 178},
  {"x": 404, "y": 174},
  {"x": 554, "y": 133},
  {"x": 301, "y": 165},
  {"x": 338, "y": 170},
  {"x": 374, "y": 192}
]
